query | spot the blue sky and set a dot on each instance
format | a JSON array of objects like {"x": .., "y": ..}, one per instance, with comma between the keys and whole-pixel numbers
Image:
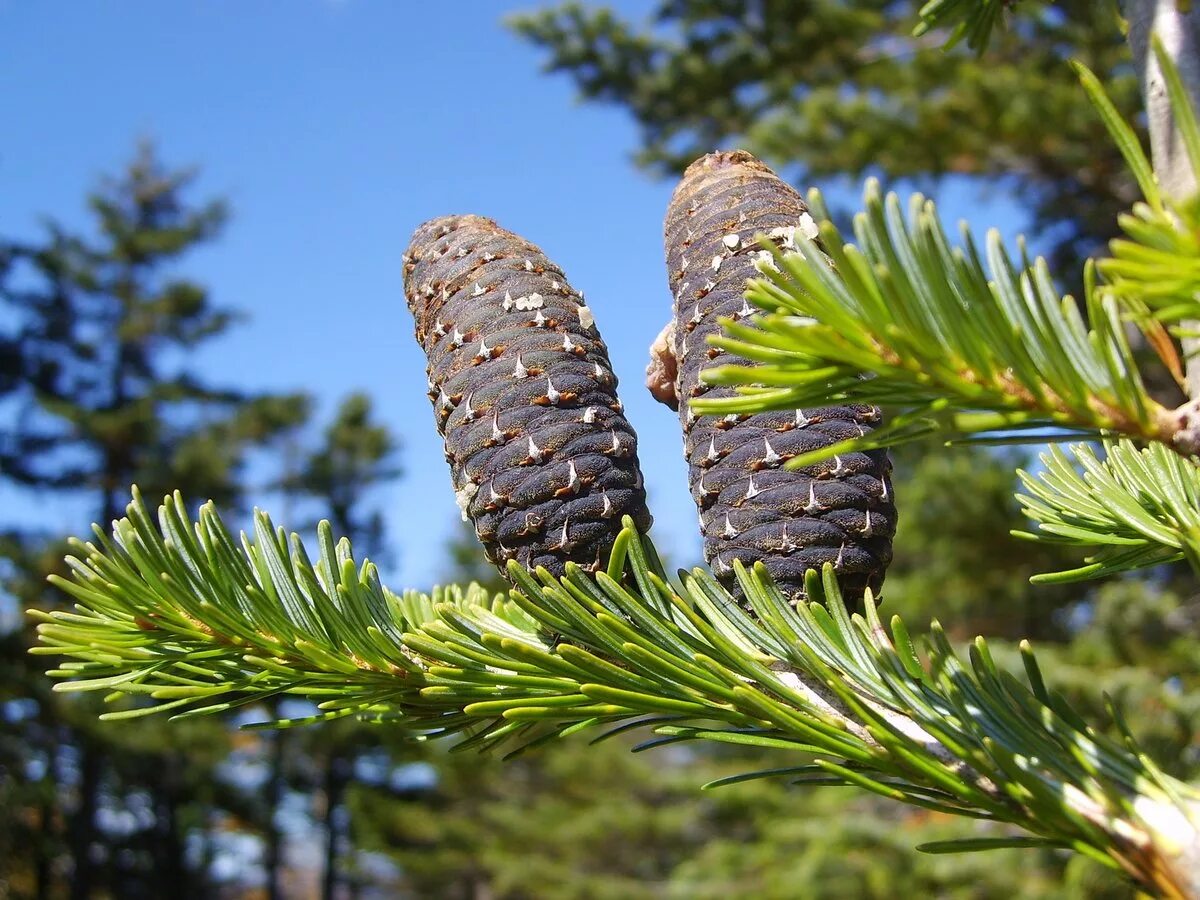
[{"x": 334, "y": 127}]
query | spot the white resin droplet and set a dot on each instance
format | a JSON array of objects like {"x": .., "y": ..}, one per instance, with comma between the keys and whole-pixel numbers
[
  {"x": 808, "y": 226},
  {"x": 463, "y": 497}
]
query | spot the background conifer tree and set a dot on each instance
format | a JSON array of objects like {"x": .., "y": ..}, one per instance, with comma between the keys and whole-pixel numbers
[
  {"x": 823, "y": 89},
  {"x": 101, "y": 394},
  {"x": 336, "y": 479}
]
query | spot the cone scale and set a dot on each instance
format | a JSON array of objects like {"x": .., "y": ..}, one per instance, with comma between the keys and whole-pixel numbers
[{"x": 543, "y": 461}]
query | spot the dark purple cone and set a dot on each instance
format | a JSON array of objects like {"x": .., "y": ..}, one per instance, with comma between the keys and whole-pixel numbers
[
  {"x": 838, "y": 511},
  {"x": 543, "y": 461}
]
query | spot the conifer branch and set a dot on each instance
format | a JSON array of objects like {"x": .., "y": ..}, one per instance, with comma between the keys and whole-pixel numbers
[
  {"x": 972, "y": 20},
  {"x": 182, "y": 618},
  {"x": 952, "y": 346},
  {"x": 971, "y": 350},
  {"x": 1133, "y": 509}
]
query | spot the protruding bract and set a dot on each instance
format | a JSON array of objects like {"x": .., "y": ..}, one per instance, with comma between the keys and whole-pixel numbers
[
  {"x": 751, "y": 507},
  {"x": 544, "y": 463}
]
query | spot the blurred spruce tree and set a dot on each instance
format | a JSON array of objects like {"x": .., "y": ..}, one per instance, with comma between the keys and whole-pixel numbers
[
  {"x": 98, "y": 394},
  {"x": 826, "y": 88},
  {"x": 333, "y": 480}
]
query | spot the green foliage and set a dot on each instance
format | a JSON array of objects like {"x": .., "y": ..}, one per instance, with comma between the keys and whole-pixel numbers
[
  {"x": 572, "y": 820},
  {"x": 1157, "y": 267},
  {"x": 970, "y": 19},
  {"x": 825, "y": 89},
  {"x": 356, "y": 456},
  {"x": 956, "y": 348},
  {"x": 959, "y": 351},
  {"x": 1136, "y": 508},
  {"x": 99, "y": 390},
  {"x": 956, "y": 559},
  {"x": 838, "y": 689},
  {"x": 101, "y": 320}
]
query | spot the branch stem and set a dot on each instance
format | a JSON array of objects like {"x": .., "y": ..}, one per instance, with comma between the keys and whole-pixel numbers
[{"x": 1177, "y": 25}]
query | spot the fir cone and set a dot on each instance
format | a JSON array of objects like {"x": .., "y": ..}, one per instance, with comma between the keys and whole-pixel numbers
[
  {"x": 838, "y": 511},
  {"x": 543, "y": 461}
]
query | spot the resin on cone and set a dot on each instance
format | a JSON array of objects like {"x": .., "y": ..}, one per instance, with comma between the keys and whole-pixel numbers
[
  {"x": 751, "y": 508},
  {"x": 542, "y": 458}
]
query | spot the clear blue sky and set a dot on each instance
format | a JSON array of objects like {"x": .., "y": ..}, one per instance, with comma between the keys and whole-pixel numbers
[{"x": 334, "y": 127}]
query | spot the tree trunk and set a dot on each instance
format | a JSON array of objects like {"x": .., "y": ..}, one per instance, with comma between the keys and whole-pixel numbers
[
  {"x": 170, "y": 866},
  {"x": 336, "y": 776},
  {"x": 47, "y": 844},
  {"x": 1177, "y": 24},
  {"x": 41, "y": 866},
  {"x": 83, "y": 822},
  {"x": 274, "y": 839},
  {"x": 1179, "y": 30}
]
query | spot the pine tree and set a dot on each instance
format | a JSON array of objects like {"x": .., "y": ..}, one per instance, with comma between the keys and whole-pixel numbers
[
  {"x": 848, "y": 700},
  {"x": 822, "y": 89},
  {"x": 99, "y": 397},
  {"x": 354, "y": 458}
]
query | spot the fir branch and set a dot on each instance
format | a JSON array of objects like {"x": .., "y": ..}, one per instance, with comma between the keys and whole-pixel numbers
[
  {"x": 973, "y": 20},
  {"x": 1155, "y": 270},
  {"x": 186, "y": 620},
  {"x": 1136, "y": 508},
  {"x": 949, "y": 345},
  {"x": 1157, "y": 267}
]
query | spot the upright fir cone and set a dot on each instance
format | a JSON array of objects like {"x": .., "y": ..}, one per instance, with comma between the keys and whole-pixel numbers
[
  {"x": 543, "y": 461},
  {"x": 838, "y": 511}
]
